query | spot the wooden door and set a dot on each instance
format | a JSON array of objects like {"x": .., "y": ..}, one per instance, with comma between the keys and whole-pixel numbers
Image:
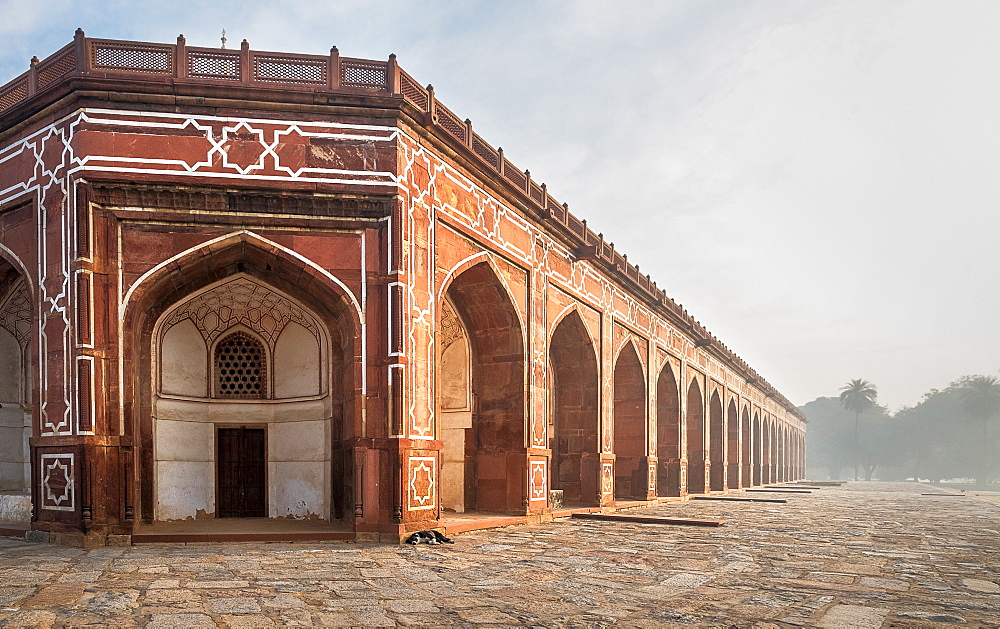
[{"x": 242, "y": 461}]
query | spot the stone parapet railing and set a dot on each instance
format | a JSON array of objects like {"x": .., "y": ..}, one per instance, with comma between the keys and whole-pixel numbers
[{"x": 88, "y": 57}]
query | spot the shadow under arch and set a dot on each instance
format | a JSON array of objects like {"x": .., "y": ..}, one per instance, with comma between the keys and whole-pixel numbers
[
  {"x": 766, "y": 451},
  {"x": 746, "y": 477},
  {"x": 668, "y": 433},
  {"x": 574, "y": 413},
  {"x": 494, "y": 446},
  {"x": 19, "y": 345},
  {"x": 716, "y": 440},
  {"x": 695, "y": 417},
  {"x": 732, "y": 446},
  {"x": 171, "y": 283},
  {"x": 758, "y": 451},
  {"x": 631, "y": 475}
]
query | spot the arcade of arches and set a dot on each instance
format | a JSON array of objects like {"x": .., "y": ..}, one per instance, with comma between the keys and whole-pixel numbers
[{"x": 347, "y": 309}]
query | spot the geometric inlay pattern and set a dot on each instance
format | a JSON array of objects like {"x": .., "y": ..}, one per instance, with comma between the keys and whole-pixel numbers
[
  {"x": 539, "y": 486},
  {"x": 242, "y": 301},
  {"x": 421, "y": 483},
  {"x": 607, "y": 478},
  {"x": 58, "y": 486}
]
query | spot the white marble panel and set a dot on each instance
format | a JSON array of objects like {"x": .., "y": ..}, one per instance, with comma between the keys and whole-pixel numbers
[
  {"x": 299, "y": 441},
  {"x": 243, "y": 412},
  {"x": 184, "y": 361},
  {"x": 296, "y": 363},
  {"x": 183, "y": 489},
  {"x": 184, "y": 441},
  {"x": 298, "y": 489}
]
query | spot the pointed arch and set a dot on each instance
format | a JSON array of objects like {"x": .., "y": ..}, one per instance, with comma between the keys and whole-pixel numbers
[
  {"x": 477, "y": 259},
  {"x": 732, "y": 446},
  {"x": 758, "y": 450},
  {"x": 263, "y": 262},
  {"x": 717, "y": 443},
  {"x": 495, "y": 452},
  {"x": 695, "y": 424},
  {"x": 240, "y": 245},
  {"x": 668, "y": 433},
  {"x": 18, "y": 346},
  {"x": 746, "y": 447},
  {"x": 574, "y": 412},
  {"x": 766, "y": 451},
  {"x": 631, "y": 475}
]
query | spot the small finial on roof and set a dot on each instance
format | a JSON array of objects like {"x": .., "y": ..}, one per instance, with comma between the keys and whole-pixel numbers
[{"x": 223, "y": 39}]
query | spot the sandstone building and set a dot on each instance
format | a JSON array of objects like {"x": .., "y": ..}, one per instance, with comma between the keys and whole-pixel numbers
[{"x": 243, "y": 284}]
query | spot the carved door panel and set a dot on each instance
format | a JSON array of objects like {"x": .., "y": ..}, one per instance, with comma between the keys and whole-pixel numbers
[{"x": 242, "y": 467}]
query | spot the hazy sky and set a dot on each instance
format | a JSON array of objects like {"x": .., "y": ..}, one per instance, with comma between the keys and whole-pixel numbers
[{"x": 817, "y": 182}]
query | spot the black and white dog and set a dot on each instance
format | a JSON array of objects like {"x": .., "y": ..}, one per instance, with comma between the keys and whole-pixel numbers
[{"x": 428, "y": 537}]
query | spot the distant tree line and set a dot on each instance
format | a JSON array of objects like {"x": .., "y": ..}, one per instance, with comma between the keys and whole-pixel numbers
[{"x": 953, "y": 433}]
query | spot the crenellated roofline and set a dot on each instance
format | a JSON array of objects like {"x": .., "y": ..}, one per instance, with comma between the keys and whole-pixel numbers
[{"x": 101, "y": 65}]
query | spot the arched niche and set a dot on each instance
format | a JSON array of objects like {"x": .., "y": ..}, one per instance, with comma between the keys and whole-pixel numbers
[
  {"x": 15, "y": 381},
  {"x": 493, "y": 445},
  {"x": 574, "y": 401},
  {"x": 246, "y": 417},
  {"x": 631, "y": 475},
  {"x": 695, "y": 425},
  {"x": 732, "y": 446},
  {"x": 668, "y": 432},
  {"x": 746, "y": 470},
  {"x": 717, "y": 441}
]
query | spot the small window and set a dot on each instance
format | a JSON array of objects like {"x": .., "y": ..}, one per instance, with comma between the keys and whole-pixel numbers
[{"x": 240, "y": 367}]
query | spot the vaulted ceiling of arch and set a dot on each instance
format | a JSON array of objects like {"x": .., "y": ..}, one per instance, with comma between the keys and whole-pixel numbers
[{"x": 242, "y": 301}]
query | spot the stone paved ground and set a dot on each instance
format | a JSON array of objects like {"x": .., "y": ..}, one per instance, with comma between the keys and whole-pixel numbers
[{"x": 861, "y": 555}]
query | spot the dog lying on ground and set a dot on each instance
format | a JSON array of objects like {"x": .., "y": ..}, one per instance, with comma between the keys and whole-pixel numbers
[{"x": 428, "y": 537}]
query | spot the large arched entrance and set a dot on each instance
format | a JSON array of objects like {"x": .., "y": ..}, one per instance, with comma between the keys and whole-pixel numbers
[
  {"x": 695, "y": 439},
  {"x": 15, "y": 391},
  {"x": 717, "y": 440},
  {"x": 244, "y": 389},
  {"x": 484, "y": 456},
  {"x": 668, "y": 441},
  {"x": 574, "y": 408},
  {"x": 630, "y": 426}
]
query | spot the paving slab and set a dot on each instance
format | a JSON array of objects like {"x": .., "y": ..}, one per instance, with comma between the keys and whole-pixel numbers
[{"x": 861, "y": 555}]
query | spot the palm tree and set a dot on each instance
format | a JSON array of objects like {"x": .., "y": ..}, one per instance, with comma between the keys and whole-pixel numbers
[
  {"x": 857, "y": 396},
  {"x": 981, "y": 399}
]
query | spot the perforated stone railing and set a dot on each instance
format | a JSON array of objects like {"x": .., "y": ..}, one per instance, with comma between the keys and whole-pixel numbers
[{"x": 332, "y": 73}]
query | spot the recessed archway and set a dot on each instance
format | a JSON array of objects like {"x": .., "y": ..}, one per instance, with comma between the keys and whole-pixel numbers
[
  {"x": 16, "y": 374},
  {"x": 176, "y": 316},
  {"x": 733, "y": 446},
  {"x": 574, "y": 403},
  {"x": 668, "y": 441},
  {"x": 758, "y": 450},
  {"x": 717, "y": 441},
  {"x": 630, "y": 425},
  {"x": 746, "y": 474},
  {"x": 695, "y": 420},
  {"x": 493, "y": 445},
  {"x": 766, "y": 454}
]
